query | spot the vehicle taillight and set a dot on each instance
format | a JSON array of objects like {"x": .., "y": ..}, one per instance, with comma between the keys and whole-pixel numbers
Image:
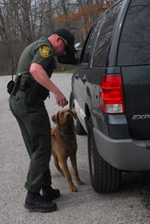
[{"x": 111, "y": 94}]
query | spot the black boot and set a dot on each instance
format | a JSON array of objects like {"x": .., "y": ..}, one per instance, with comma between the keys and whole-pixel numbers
[
  {"x": 49, "y": 193},
  {"x": 35, "y": 202}
]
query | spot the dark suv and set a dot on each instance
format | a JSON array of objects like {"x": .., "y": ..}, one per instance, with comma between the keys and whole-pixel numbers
[{"x": 111, "y": 93}]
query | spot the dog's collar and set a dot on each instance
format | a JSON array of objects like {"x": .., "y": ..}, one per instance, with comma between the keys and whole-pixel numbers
[{"x": 65, "y": 135}]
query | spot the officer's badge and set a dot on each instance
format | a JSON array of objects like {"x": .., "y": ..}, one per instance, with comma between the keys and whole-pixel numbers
[{"x": 45, "y": 51}]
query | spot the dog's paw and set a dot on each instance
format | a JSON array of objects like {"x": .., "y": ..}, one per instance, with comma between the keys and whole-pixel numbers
[
  {"x": 73, "y": 189},
  {"x": 80, "y": 182}
]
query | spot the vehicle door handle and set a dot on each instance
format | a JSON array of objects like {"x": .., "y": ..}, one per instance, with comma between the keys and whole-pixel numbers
[
  {"x": 84, "y": 78},
  {"x": 76, "y": 76}
]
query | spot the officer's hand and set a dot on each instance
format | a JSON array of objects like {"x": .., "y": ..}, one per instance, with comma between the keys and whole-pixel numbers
[{"x": 60, "y": 99}]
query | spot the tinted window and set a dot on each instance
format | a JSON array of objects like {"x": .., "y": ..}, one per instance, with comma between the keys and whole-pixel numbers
[
  {"x": 134, "y": 46},
  {"x": 87, "y": 50},
  {"x": 104, "y": 39}
]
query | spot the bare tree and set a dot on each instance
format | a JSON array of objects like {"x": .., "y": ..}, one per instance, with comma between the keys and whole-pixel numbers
[{"x": 23, "y": 21}]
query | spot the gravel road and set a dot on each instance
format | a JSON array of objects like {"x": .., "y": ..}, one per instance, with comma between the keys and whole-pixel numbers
[{"x": 131, "y": 205}]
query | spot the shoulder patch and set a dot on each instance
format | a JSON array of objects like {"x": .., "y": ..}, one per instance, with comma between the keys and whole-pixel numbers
[{"x": 45, "y": 51}]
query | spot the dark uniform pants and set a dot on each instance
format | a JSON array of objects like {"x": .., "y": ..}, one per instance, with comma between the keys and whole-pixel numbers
[{"x": 35, "y": 128}]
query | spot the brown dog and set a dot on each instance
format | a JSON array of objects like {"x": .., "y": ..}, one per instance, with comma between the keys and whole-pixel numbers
[{"x": 64, "y": 145}]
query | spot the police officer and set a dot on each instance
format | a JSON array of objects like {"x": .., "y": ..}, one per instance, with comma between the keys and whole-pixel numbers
[{"x": 32, "y": 86}]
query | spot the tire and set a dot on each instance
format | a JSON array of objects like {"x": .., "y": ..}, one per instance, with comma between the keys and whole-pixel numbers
[
  {"x": 78, "y": 126},
  {"x": 104, "y": 177}
]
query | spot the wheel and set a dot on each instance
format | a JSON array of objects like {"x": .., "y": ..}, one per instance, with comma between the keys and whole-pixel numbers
[
  {"x": 104, "y": 177},
  {"x": 78, "y": 126}
]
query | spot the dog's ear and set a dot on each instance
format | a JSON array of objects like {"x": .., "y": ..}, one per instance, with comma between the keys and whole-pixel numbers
[
  {"x": 58, "y": 118},
  {"x": 74, "y": 113},
  {"x": 54, "y": 118}
]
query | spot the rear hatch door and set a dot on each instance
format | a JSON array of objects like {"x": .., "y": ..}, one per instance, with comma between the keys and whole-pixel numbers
[
  {"x": 136, "y": 81},
  {"x": 134, "y": 60}
]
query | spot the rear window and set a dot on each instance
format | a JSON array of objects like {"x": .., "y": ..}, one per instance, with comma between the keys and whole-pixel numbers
[
  {"x": 134, "y": 47},
  {"x": 88, "y": 48},
  {"x": 104, "y": 39}
]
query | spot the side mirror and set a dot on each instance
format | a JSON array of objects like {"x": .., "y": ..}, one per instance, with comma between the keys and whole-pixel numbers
[{"x": 78, "y": 46}]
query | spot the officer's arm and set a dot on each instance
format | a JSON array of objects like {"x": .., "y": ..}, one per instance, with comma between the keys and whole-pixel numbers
[{"x": 40, "y": 75}]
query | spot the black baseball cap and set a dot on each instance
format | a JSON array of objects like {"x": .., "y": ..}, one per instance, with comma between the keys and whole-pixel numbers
[{"x": 68, "y": 36}]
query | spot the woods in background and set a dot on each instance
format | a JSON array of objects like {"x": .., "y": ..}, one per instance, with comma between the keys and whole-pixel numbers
[{"x": 24, "y": 21}]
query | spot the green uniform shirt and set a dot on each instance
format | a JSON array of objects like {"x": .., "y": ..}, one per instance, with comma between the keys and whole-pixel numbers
[{"x": 40, "y": 52}]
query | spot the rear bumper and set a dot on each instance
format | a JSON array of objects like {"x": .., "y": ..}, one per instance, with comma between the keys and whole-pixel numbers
[{"x": 124, "y": 154}]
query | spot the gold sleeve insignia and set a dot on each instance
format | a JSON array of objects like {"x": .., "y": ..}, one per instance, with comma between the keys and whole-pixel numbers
[{"x": 45, "y": 51}]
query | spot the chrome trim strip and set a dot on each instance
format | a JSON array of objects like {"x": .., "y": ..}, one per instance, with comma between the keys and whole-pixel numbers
[{"x": 80, "y": 113}]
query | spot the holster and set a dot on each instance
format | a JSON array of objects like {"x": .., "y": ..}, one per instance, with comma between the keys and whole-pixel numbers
[
  {"x": 16, "y": 85},
  {"x": 10, "y": 86}
]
